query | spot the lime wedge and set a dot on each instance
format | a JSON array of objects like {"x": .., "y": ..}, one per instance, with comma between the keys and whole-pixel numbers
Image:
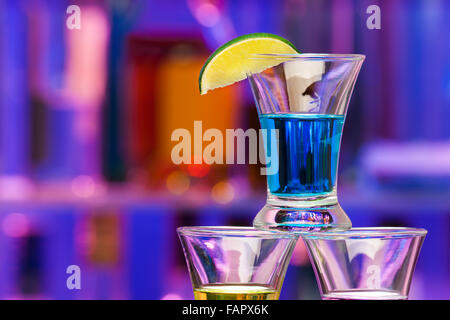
[{"x": 230, "y": 63}]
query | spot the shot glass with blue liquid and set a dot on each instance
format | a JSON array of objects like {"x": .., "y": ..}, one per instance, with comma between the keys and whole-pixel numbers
[{"x": 303, "y": 99}]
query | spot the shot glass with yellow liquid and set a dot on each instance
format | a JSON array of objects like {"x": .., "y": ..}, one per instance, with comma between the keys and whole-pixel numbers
[{"x": 236, "y": 263}]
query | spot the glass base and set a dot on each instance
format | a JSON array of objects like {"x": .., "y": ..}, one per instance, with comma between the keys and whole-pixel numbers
[{"x": 302, "y": 215}]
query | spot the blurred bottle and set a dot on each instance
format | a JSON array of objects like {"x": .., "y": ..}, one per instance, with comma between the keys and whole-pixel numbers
[
  {"x": 100, "y": 245},
  {"x": 144, "y": 54},
  {"x": 164, "y": 96},
  {"x": 31, "y": 267}
]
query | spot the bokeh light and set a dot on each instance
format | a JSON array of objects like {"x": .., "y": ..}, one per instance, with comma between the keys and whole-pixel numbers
[
  {"x": 222, "y": 192},
  {"x": 198, "y": 170},
  {"x": 178, "y": 182},
  {"x": 207, "y": 14},
  {"x": 172, "y": 296},
  {"x": 16, "y": 225},
  {"x": 83, "y": 186}
]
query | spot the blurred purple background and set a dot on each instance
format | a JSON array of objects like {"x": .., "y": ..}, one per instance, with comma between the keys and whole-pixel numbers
[{"x": 86, "y": 116}]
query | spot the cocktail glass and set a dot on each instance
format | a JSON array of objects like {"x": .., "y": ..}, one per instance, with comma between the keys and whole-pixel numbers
[
  {"x": 236, "y": 263},
  {"x": 305, "y": 99},
  {"x": 365, "y": 263}
]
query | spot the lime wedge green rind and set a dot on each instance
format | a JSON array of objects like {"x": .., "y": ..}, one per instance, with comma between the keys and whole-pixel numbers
[{"x": 248, "y": 37}]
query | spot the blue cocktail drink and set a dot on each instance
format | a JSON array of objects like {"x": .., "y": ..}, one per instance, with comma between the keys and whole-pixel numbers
[
  {"x": 305, "y": 99},
  {"x": 308, "y": 151}
]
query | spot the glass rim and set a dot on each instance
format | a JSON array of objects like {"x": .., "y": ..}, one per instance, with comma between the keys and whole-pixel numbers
[
  {"x": 233, "y": 231},
  {"x": 310, "y": 56},
  {"x": 368, "y": 232}
]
